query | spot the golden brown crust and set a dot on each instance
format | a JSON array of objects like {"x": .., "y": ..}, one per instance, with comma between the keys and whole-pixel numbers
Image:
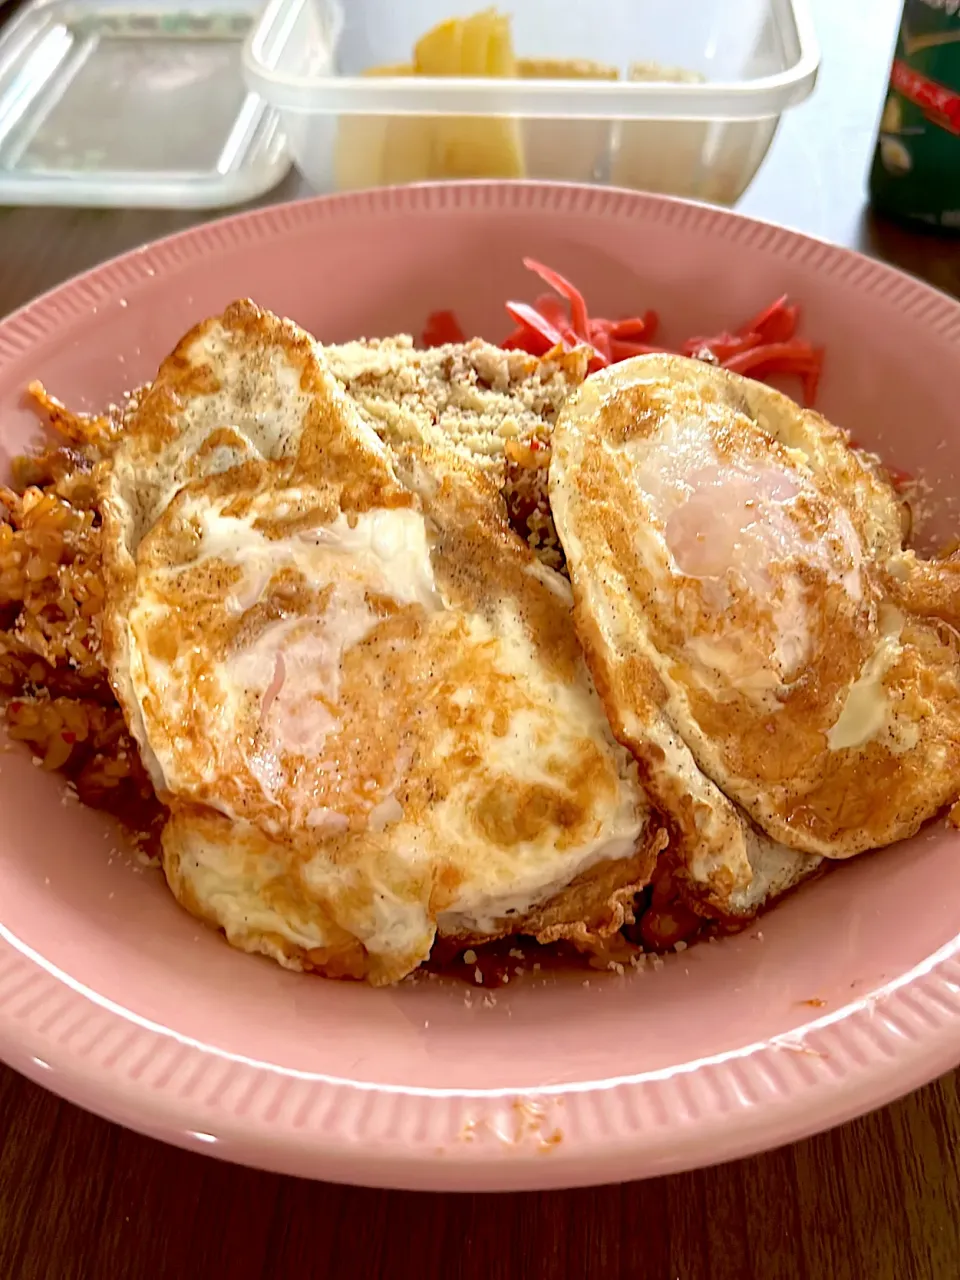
[
  {"x": 928, "y": 588},
  {"x": 598, "y": 903},
  {"x": 587, "y": 913}
]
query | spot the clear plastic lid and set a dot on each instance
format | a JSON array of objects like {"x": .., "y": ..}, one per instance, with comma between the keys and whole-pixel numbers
[
  {"x": 133, "y": 103},
  {"x": 743, "y": 60}
]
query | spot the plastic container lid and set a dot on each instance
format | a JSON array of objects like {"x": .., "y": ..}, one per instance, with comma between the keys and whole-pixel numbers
[{"x": 133, "y": 103}]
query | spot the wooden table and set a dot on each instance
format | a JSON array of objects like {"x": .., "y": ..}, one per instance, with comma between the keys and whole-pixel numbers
[{"x": 876, "y": 1199}]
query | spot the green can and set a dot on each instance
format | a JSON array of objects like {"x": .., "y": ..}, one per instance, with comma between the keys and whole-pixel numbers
[{"x": 916, "y": 167}]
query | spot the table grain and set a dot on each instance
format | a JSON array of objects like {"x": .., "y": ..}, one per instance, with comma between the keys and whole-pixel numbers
[{"x": 877, "y": 1199}]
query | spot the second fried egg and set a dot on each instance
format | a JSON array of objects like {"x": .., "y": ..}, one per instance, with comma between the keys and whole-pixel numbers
[{"x": 748, "y": 611}]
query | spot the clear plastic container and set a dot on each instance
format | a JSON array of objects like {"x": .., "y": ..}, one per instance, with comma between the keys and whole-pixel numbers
[{"x": 676, "y": 96}]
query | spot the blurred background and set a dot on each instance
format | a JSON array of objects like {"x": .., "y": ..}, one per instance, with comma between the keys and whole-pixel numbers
[{"x": 124, "y": 120}]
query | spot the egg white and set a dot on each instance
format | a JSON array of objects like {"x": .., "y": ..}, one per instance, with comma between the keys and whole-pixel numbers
[{"x": 363, "y": 702}]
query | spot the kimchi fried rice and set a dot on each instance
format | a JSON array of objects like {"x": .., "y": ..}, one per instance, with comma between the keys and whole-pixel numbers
[{"x": 59, "y": 700}]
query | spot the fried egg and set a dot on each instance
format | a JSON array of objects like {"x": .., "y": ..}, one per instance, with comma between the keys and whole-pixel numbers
[
  {"x": 787, "y": 675},
  {"x": 360, "y": 695}
]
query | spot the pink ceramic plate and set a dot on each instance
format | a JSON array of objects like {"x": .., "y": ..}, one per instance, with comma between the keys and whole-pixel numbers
[{"x": 846, "y": 996}]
